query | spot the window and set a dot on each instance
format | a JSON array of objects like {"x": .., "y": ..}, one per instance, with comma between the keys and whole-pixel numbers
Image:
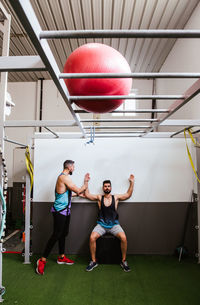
[{"x": 128, "y": 105}]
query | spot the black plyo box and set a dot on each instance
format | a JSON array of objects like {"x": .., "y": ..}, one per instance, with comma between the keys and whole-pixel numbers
[{"x": 108, "y": 250}]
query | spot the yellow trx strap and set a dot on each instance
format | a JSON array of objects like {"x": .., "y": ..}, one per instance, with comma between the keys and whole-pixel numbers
[
  {"x": 29, "y": 165},
  {"x": 188, "y": 151}
]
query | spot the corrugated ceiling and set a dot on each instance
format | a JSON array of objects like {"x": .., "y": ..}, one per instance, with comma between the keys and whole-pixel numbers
[{"x": 143, "y": 55}]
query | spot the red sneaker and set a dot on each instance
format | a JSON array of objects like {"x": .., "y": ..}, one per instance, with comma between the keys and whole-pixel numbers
[
  {"x": 40, "y": 266},
  {"x": 64, "y": 260}
]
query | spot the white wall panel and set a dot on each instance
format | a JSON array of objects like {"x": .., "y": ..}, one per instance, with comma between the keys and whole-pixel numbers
[{"x": 161, "y": 167}]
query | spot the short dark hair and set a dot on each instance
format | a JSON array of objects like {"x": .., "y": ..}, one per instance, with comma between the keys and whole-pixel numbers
[
  {"x": 106, "y": 181},
  {"x": 67, "y": 162}
]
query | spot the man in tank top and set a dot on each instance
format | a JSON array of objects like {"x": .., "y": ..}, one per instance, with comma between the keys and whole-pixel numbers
[
  {"x": 61, "y": 211},
  {"x": 108, "y": 220}
]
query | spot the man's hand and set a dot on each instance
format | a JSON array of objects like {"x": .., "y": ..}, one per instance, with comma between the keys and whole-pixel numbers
[
  {"x": 82, "y": 195},
  {"x": 129, "y": 192},
  {"x": 131, "y": 178},
  {"x": 87, "y": 177}
]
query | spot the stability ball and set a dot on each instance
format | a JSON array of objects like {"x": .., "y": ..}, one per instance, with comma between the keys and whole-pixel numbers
[{"x": 97, "y": 58}]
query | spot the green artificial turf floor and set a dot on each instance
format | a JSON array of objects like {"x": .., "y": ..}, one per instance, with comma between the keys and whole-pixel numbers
[{"x": 153, "y": 280}]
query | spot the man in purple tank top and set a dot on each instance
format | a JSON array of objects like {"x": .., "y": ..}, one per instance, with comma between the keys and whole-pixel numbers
[{"x": 108, "y": 220}]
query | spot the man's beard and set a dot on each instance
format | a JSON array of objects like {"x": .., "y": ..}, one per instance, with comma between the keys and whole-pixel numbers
[
  {"x": 107, "y": 191},
  {"x": 70, "y": 173}
]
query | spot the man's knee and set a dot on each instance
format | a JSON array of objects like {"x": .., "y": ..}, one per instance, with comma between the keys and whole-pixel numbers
[
  {"x": 65, "y": 233},
  {"x": 122, "y": 237},
  {"x": 57, "y": 234},
  {"x": 94, "y": 236}
]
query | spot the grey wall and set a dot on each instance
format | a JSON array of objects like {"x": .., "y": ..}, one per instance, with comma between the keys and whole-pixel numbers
[{"x": 151, "y": 228}]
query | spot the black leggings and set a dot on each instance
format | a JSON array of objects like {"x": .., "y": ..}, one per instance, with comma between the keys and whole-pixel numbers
[{"x": 60, "y": 231}]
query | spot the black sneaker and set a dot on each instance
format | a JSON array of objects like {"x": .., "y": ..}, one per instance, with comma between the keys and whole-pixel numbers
[
  {"x": 91, "y": 266},
  {"x": 125, "y": 266}
]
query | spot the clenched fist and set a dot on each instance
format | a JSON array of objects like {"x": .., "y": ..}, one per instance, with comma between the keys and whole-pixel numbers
[
  {"x": 131, "y": 178},
  {"x": 87, "y": 177}
]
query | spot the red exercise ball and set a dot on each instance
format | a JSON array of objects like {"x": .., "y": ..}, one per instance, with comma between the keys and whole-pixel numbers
[{"x": 97, "y": 58}]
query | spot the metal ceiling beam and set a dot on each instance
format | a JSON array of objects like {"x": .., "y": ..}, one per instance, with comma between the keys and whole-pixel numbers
[
  {"x": 129, "y": 75},
  {"x": 28, "y": 19},
  {"x": 116, "y": 132},
  {"x": 117, "y": 136},
  {"x": 54, "y": 133},
  {"x": 196, "y": 131},
  {"x": 132, "y": 111},
  {"x": 14, "y": 142},
  {"x": 127, "y": 97},
  {"x": 180, "y": 131},
  {"x": 21, "y": 63},
  {"x": 38, "y": 123},
  {"x": 70, "y": 123},
  {"x": 117, "y": 127},
  {"x": 43, "y": 135},
  {"x": 120, "y": 34},
  {"x": 79, "y": 135},
  {"x": 118, "y": 120},
  {"x": 189, "y": 94},
  {"x": 181, "y": 123},
  {"x": 159, "y": 135}
]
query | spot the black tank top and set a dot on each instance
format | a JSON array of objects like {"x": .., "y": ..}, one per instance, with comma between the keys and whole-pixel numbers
[{"x": 108, "y": 216}]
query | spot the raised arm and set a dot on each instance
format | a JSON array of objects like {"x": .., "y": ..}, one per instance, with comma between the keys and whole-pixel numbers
[
  {"x": 129, "y": 192},
  {"x": 70, "y": 185},
  {"x": 90, "y": 196}
]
